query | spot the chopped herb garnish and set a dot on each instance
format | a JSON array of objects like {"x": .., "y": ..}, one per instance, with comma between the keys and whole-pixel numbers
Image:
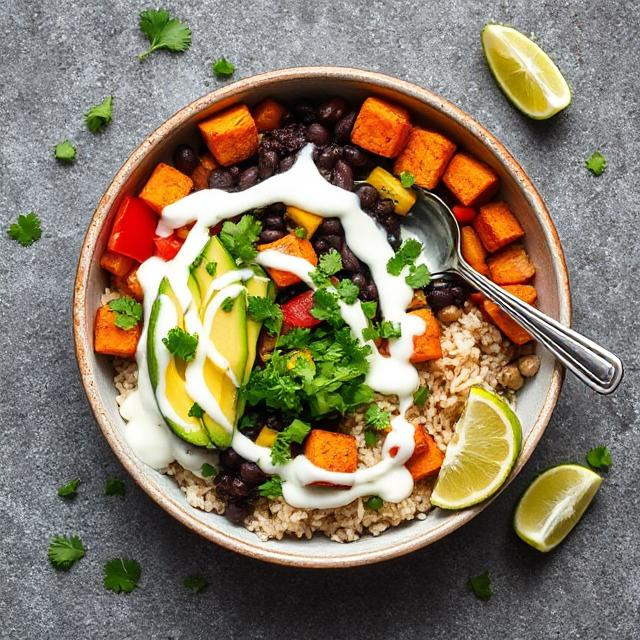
[
  {"x": 207, "y": 470},
  {"x": 240, "y": 238},
  {"x": 227, "y": 304},
  {"x": 181, "y": 344},
  {"x": 69, "y": 490},
  {"x": 374, "y": 502},
  {"x": 300, "y": 232},
  {"x": 370, "y": 437},
  {"x": 266, "y": 311},
  {"x": 296, "y": 432},
  {"x": 163, "y": 32},
  {"x": 121, "y": 575},
  {"x": 272, "y": 488},
  {"x": 99, "y": 116},
  {"x": 421, "y": 396},
  {"x": 248, "y": 421},
  {"x": 65, "y": 152},
  {"x": 419, "y": 276},
  {"x": 405, "y": 256},
  {"x": 407, "y": 179},
  {"x": 385, "y": 329},
  {"x": 128, "y": 312},
  {"x": 325, "y": 306},
  {"x": 348, "y": 291},
  {"x": 211, "y": 268},
  {"x": 597, "y": 163},
  {"x": 329, "y": 264},
  {"x": 296, "y": 338},
  {"x": 26, "y": 230},
  {"x": 195, "y": 411},
  {"x": 223, "y": 68},
  {"x": 115, "y": 487},
  {"x": 195, "y": 583},
  {"x": 600, "y": 458},
  {"x": 481, "y": 586},
  {"x": 376, "y": 418},
  {"x": 369, "y": 309},
  {"x": 65, "y": 551}
]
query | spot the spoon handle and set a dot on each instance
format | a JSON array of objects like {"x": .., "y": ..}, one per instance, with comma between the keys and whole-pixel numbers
[{"x": 594, "y": 365}]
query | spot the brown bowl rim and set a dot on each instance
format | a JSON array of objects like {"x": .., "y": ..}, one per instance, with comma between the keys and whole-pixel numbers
[{"x": 83, "y": 342}]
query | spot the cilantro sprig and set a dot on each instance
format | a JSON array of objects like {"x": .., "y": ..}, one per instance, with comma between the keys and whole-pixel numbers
[
  {"x": 418, "y": 276},
  {"x": 65, "y": 551},
  {"x": 376, "y": 420},
  {"x": 481, "y": 586},
  {"x": 297, "y": 431},
  {"x": 115, "y": 487},
  {"x": 600, "y": 458},
  {"x": 163, "y": 32},
  {"x": 100, "y": 115},
  {"x": 222, "y": 68},
  {"x": 272, "y": 488},
  {"x": 121, "y": 575},
  {"x": 385, "y": 329},
  {"x": 128, "y": 312},
  {"x": 181, "y": 344},
  {"x": 596, "y": 163},
  {"x": 65, "y": 152},
  {"x": 421, "y": 395},
  {"x": 26, "y": 230},
  {"x": 195, "y": 583},
  {"x": 407, "y": 179},
  {"x": 70, "y": 489},
  {"x": 208, "y": 470},
  {"x": 266, "y": 311},
  {"x": 239, "y": 238}
]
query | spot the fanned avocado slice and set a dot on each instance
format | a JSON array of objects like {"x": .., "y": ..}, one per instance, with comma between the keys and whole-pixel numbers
[
  {"x": 260, "y": 286},
  {"x": 214, "y": 261}
]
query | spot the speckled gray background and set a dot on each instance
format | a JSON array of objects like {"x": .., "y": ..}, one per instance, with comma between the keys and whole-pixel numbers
[{"x": 59, "y": 57}]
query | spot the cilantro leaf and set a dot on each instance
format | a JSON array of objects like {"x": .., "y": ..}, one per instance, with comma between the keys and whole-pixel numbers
[
  {"x": 266, "y": 311},
  {"x": 325, "y": 307},
  {"x": 297, "y": 431},
  {"x": 405, "y": 256},
  {"x": 421, "y": 396},
  {"x": 272, "y": 488},
  {"x": 115, "y": 487},
  {"x": 407, "y": 179},
  {"x": 419, "y": 276},
  {"x": 128, "y": 312},
  {"x": 369, "y": 309},
  {"x": 296, "y": 338},
  {"x": 70, "y": 489},
  {"x": 181, "y": 344},
  {"x": 597, "y": 163},
  {"x": 26, "y": 230},
  {"x": 99, "y": 116},
  {"x": 121, "y": 575},
  {"x": 330, "y": 263},
  {"x": 370, "y": 437},
  {"x": 195, "y": 583},
  {"x": 376, "y": 418},
  {"x": 300, "y": 232},
  {"x": 388, "y": 329},
  {"x": 163, "y": 32},
  {"x": 211, "y": 268},
  {"x": 227, "y": 304},
  {"x": 374, "y": 502},
  {"x": 65, "y": 551},
  {"x": 240, "y": 238},
  {"x": 65, "y": 152},
  {"x": 208, "y": 470},
  {"x": 348, "y": 291},
  {"x": 600, "y": 458},
  {"x": 481, "y": 586},
  {"x": 223, "y": 68},
  {"x": 195, "y": 411}
]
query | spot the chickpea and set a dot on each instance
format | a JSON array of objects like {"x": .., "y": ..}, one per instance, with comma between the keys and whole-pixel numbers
[
  {"x": 449, "y": 314},
  {"x": 529, "y": 365},
  {"x": 510, "y": 377}
]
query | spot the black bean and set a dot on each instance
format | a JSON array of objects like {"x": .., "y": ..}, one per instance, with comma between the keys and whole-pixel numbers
[
  {"x": 285, "y": 140},
  {"x": 274, "y": 422},
  {"x": 239, "y": 488},
  {"x": 273, "y": 221},
  {"x": 355, "y": 156},
  {"x": 444, "y": 292},
  {"x": 318, "y": 134},
  {"x": 252, "y": 474},
  {"x": 370, "y": 292},
  {"x": 330, "y": 111},
  {"x": 326, "y": 174},
  {"x": 267, "y": 163},
  {"x": 334, "y": 241},
  {"x": 279, "y": 208},
  {"x": 223, "y": 484},
  {"x": 320, "y": 245},
  {"x": 329, "y": 156},
  {"x": 252, "y": 432},
  {"x": 359, "y": 280},
  {"x": 229, "y": 459},
  {"x": 368, "y": 196},
  {"x": 271, "y": 235},
  {"x": 185, "y": 159},
  {"x": 236, "y": 512},
  {"x": 304, "y": 112},
  {"x": 344, "y": 126},
  {"x": 349, "y": 261},
  {"x": 330, "y": 226},
  {"x": 234, "y": 170},
  {"x": 343, "y": 175},
  {"x": 384, "y": 208},
  {"x": 220, "y": 179},
  {"x": 248, "y": 178},
  {"x": 286, "y": 163},
  {"x": 391, "y": 222}
]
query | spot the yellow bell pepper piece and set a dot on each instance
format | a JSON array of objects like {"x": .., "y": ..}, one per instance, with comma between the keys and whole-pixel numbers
[
  {"x": 308, "y": 221},
  {"x": 266, "y": 437},
  {"x": 390, "y": 187}
]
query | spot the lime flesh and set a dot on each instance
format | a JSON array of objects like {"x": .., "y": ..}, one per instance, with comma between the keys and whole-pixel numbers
[
  {"x": 553, "y": 504},
  {"x": 481, "y": 453},
  {"x": 524, "y": 72}
]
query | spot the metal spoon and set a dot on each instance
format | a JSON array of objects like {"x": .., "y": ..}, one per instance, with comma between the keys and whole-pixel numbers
[{"x": 434, "y": 224}]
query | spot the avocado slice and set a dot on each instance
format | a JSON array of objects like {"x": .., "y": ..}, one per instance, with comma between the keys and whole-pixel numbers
[
  {"x": 263, "y": 287},
  {"x": 200, "y": 279},
  {"x": 174, "y": 388}
]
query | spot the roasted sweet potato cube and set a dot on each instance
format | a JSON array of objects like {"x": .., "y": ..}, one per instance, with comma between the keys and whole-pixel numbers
[
  {"x": 426, "y": 459},
  {"x": 496, "y": 226},
  {"x": 115, "y": 263},
  {"x": 201, "y": 173},
  {"x": 231, "y": 136},
  {"x": 133, "y": 284},
  {"x": 165, "y": 186},
  {"x": 506, "y": 324},
  {"x": 473, "y": 251},
  {"x": 425, "y": 156},
  {"x": 470, "y": 180},
  {"x": 381, "y": 127},
  {"x": 511, "y": 266},
  {"x": 268, "y": 114},
  {"x": 291, "y": 245},
  {"x": 331, "y": 451},
  {"x": 110, "y": 339},
  {"x": 427, "y": 345}
]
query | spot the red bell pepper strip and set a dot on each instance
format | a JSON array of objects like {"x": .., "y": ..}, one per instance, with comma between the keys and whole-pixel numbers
[
  {"x": 464, "y": 215},
  {"x": 167, "y": 248},
  {"x": 297, "y": 311},
  {"x": 133, "y": 229}
]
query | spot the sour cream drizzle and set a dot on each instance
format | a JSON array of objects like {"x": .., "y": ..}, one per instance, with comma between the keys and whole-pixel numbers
[{"x": 303, "y": 187}]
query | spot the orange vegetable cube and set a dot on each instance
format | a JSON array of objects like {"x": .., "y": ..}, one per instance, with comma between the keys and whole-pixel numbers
[
  {"x": 418, "y": 301},
  {"x": 133, "y": 284},
  {"x": 426, "y": 459},
  {"x": 165, "y": 186},
  {"x": 331, "y": 451},
  {"x": 268, "y": 114},
  {"x": 473, "y": 251},
  {"x": 290, "y": 245},
  {"x": 201, "y": 173},
  {"x": 110, "y": 339},
  {"x": 115, "y": 263},
  {"x": 426, "y": 157},
  {"x": 426, "y": 346},
  {"x": 231, "y": 136},
  {"x": 470, "y": 180},
  {"x": 506, "y": 324},
  {"x": 511, "y": 266},
  {"x": 497, "y": 226},
  {"x": 381, "y": 127}
]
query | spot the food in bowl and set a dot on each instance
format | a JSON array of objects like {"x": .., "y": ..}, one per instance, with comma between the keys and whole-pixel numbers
[{"x": 280, "y": 349}]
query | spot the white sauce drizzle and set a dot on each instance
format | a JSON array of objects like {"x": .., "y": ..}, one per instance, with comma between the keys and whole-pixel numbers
[{"x": 303, "y": 187}]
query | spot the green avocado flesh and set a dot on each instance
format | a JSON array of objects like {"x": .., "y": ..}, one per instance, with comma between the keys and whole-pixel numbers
[{"x": 213, "y": 259}]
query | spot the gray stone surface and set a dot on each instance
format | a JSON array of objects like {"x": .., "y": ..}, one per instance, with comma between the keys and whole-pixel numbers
[{"x": 59, "y": 58}]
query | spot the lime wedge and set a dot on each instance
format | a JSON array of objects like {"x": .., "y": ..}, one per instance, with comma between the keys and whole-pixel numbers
[
  {"x": 481, "y": 453},
  {"x": 553, "y": 504},
  {"x": 526, "y": 74}
]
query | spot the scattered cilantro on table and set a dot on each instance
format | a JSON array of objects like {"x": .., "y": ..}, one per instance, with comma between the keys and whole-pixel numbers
[
  {"x": 128, "y": 312},
  {"x": 266, "y": 311},
  {"x": 181, "y": 344},
  {"x": 26, "y": 230},
  {"x": 99, "y": 116},
  {"x": 407, "y": 179},
  {"x": 121, "y": 575},
  {"x": 195, "y": 583},
  {"x": 222, "y": 68},
  {"x": 239, "y": 238},
  {"x": 600, "y": 458},
  {"x": 65, "y": 551},
  {"x": 481, "y": 586},
  {"x": 272, "y": 488},
  {"x": 297, "y": 431},
  {"x": 596, "y": 163},
  {"x": 163, "y": 32},
  {"x": 114, "y": 487},
  {"x": 207, "y": 470},
  {"x": 65, "y": 152},
  {"x": 69, "y": 490}
]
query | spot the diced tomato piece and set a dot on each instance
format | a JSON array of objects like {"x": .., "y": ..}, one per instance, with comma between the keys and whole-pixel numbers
[
  {"x": 464, "y": 215},
  {"x": 133, "y": 229},
  {"x": 167, "y": 248},
  {"x": 297, "y": 311}
]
